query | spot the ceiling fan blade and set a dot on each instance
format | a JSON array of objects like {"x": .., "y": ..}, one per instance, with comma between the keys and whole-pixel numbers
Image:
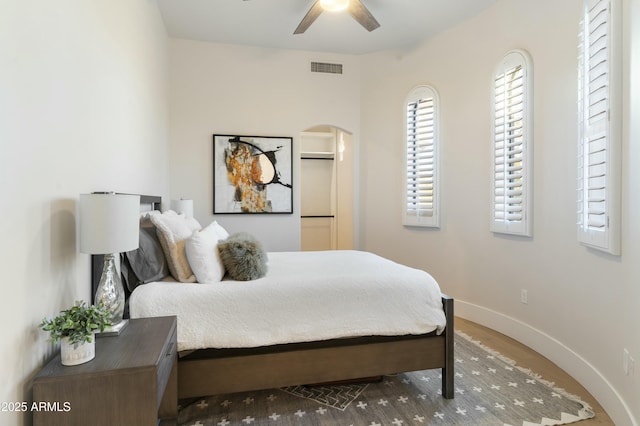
[
  {"x": 361, "y": 14},
  {"x": 308, "y": 19}
]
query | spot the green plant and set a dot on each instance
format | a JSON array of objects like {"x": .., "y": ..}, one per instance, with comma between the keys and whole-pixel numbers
[{"x": 78, "y": 323}]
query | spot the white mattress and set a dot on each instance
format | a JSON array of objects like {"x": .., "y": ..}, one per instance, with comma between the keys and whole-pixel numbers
[{"x": 305, "y": 296}]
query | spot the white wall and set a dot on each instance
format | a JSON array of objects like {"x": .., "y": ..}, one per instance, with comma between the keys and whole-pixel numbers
[
  {"x": 83, "y": 107},
  {"x": 583, "y": 305},
  {"x": 224, "y": 89}
]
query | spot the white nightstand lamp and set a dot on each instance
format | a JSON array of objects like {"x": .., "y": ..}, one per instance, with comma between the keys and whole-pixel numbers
[
  {"x": 109, "y": 224},
  {"x": 182, "y": 206}
]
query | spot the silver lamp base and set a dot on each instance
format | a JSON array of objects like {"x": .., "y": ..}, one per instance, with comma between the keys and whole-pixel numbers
[{"x": 110, "y": 293}]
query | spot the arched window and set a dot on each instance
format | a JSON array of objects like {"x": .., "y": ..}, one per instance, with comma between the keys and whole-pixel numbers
[
  {"x": 599, "y": 126},
  {"x": 421, "y": 201},
  {"x": 512, "y": 143}
]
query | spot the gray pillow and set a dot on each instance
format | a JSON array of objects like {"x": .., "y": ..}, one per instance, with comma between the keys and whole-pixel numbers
[
  {"x": 243, "y": 257},
  {"x": 146, "y": 263}
]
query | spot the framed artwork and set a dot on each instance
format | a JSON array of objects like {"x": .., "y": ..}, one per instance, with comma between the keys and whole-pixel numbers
[{"x": 252, "y": 174}]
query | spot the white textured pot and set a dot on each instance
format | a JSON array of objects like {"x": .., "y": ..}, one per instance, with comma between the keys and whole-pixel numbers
[{"x": 82, "y": 353}]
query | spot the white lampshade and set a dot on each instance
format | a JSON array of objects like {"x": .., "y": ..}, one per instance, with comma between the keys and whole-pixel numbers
[
  {"x": 182, "y": 206},
  {"x": 109, "y": 223}
]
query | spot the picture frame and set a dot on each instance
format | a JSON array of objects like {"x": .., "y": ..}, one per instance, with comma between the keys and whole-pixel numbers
[{"x": 252, "y": 174}]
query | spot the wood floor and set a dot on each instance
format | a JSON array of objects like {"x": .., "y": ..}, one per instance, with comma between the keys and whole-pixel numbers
[{"x": 526, "y": 357}]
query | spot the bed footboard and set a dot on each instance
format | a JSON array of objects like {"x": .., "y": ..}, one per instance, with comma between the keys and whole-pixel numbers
[{"x": 287, "y": 365}]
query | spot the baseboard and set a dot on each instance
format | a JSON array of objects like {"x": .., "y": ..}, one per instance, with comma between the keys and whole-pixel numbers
[{"x": 571, "y": 362}]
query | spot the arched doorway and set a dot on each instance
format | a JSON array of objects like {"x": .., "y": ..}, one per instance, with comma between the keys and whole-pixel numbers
[{"x": 326, "y": 189}]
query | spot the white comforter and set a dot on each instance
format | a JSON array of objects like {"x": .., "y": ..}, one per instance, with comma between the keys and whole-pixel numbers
[{"x": 305, "y": 296}]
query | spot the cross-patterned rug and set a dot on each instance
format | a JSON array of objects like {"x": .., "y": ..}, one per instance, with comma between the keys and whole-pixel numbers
[{"x": 489, "y": 390}]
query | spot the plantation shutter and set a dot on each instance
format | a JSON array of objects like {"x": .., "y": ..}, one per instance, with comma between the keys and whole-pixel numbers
[
  {"x": 597, "y": 183},
  {"x": 421, "y": 158},
  {"x": 510, "y": 145}
]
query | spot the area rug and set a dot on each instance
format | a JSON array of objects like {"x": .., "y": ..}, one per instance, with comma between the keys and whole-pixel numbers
[{"x": 489, "y": 390}]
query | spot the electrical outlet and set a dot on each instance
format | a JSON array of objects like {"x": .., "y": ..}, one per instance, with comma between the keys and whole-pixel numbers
[{"x": 524, "y": 296}]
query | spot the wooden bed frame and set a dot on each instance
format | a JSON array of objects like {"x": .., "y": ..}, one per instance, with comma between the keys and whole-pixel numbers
[{"x": 217, "y": 371}]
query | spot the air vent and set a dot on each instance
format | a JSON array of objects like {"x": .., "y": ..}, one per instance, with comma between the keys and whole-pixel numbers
[{"x": 326, "y": 67}]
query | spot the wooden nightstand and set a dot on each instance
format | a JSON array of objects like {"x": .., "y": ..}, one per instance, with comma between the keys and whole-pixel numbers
[{"x": 131, "y": 381}]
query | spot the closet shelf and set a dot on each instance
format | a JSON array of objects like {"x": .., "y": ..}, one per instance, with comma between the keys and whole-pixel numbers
[{"x": 317, "y": 155}]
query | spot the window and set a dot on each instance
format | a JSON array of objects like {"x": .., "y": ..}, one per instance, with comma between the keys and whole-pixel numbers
[
  {"x": 599, "y": 142},
  {"x": 512, "y": 106},
  {"x": 421, "y": 204}
]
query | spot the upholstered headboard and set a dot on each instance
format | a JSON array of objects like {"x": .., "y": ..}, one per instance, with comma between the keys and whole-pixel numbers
[{"x": 147, "y": 203}]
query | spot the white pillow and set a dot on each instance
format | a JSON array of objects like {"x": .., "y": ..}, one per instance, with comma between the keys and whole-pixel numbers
[
  {"x": 173, "y": 231},
  {"x": 222, "y": 233},
  {"x": 203, "y": 255}
]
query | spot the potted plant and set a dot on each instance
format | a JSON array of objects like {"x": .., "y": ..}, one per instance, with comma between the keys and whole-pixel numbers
[{"x": 75, "y": 328}]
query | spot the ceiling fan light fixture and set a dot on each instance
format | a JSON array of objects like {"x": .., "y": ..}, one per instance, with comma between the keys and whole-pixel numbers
[{"x": 334, "y": 5}]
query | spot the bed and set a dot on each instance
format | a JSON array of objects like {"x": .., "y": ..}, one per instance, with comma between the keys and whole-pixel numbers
[{"x": 275, "y": 332}]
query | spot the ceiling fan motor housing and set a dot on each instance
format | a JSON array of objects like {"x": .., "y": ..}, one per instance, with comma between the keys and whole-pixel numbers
[{"x": 355, "y": 8}]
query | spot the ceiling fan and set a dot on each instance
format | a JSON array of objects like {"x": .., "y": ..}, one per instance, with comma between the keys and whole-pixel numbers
[{"x": 355, "y": 8}]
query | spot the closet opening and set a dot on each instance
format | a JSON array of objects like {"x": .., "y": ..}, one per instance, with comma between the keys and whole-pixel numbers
[{"x": 326, "y": 189}]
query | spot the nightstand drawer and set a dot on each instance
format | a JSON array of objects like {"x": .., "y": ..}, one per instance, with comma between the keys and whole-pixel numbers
[{"x": 167, "y": 362}]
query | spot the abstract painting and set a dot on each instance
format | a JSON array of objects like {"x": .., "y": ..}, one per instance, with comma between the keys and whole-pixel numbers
[{"x": 252, "y": 174}]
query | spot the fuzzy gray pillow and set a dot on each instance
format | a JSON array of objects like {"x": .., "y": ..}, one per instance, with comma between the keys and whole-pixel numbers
[{"x": 243, "y": 257}]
